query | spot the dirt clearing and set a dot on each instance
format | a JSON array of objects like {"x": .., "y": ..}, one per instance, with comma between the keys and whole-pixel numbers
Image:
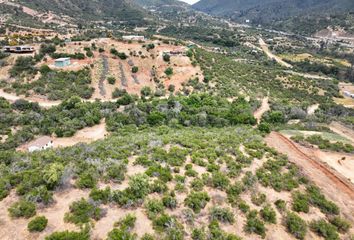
[{"x": 86, "y": 135}]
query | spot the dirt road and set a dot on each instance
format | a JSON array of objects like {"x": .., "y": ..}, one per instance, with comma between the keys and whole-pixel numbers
[
  {"x": 332, "y": 184},
  {"x": 264, "y": 108},
  {"x": 266, "y": 50},
  {"x": 42, "y": 102},
  {"x": 306, "y": 75}
]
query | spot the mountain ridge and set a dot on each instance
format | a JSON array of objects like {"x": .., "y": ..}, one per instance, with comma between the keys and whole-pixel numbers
[{"x": 274, "y": 11}]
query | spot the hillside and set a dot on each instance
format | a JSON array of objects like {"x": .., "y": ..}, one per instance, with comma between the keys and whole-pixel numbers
[
  {"x": 274, "y": 12},
  {"x": 81, "y": 11},
  {"x": 159, "y": 3}
]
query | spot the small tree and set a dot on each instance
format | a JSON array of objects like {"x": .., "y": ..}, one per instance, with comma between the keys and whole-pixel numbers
[
  {"x": 111, "y": 80},
  {"x": 166, "y": 57},
  {"x": 135, "y": 69},
  {"x": 171, "y": 88},
  {"x": 146, "y": 91},
  {"x": 169, "y": 71}
]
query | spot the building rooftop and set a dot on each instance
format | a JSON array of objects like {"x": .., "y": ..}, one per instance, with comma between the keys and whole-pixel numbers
[{"x": 62, "y": 59}]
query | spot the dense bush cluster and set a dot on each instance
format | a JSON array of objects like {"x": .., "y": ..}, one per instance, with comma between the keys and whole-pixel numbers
[
  {"x": 82, "y": 211},
  {"x": 59, "y": 84},
  {"x": 195, "y": 110},
  {"x": 324, "y": 144}
]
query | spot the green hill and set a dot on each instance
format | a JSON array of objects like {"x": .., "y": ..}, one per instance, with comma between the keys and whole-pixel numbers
[
  {"x": 99, "y": 10},
  {"x": 274, "y": 12}
]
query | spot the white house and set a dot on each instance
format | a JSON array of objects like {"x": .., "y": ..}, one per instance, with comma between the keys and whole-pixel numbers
[
  {"x": 133, "y": 38},
  {"x": 41, "y": 143}
]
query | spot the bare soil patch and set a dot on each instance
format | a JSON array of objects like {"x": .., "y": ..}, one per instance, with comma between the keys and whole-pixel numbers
[{"x": 86, "y": 135}]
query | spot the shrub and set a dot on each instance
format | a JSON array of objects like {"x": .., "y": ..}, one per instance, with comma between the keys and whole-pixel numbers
[
  {"x": 139, "y": 187},
  {"x": 341, "y": 224},
  {"x": 268, "y": 214},
  {"x": 154, "y": 207},
  {"x": 295, "y": 225},
  {"x": 199, "y": 234},
  {"x": 220, "y": 180},
  {"x": 147, "y": 236},
  {"x": 319, "y": 200},
  {"x": 300, "y": 202},
  {"x": 135, "y": 69},
  {"x": 169, "y": 71},
  {"x": 171, "y": 88},
  {"x": 120, "y": 234},
  {"x": 166, "y": 57},
  {"x": 102, "y": 195},
  {"x": 197, "y": 184},
  {"x": 66, "y": 235},
  {"x": 111, "y": 80},
  {"x": 82, "y": 211},
  {"x": 128, "y": 222},
  {"x": 243, "y": 206},
  {"x": 22, "y": 209},
  {"x": 86, "y": 180},
  {"x": 169, "y": 201},
  {"x": 118, "y": 93},
  {"x": 258, "y": 199},
  {"x": 38, "y": 224},
  {"x": 197, "y": 201},
  {"x": 146, "y": 91},
  {"x": 324, "y": 229},
  {"x": 222, "y": 214},
  {"x": 264, "y": 127},
  {"x": 254, "y": 224},
  {"x": 150, "y": 46},
  {"x": 158, "y": 186},
  {"x": 280, "y": 204}
]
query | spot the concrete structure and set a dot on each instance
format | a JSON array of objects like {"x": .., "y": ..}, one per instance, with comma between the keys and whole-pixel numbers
[
  {"x": 133, "y": 38},
  {"x": 19, "y": 49},
  {"x": 41, "y": 143},
  {"x": 62, "y": 62}
]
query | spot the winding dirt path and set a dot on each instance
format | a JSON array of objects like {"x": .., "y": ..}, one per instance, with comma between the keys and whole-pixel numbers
[
  {"x": 332, "y": 184},
  {"x": 266, "y": 50},
  {"x": 263, "y": 108},
  {"x": 41, "y": 102}
]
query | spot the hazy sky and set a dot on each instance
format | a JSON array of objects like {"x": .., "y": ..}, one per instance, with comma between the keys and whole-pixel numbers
[{"x": 190, "y": 1}]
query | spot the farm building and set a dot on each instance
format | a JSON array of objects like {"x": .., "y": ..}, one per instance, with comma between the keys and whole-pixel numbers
[
  {"x": 41, "y": 143},
  {"x": 133, "y": 38},
  {"x": 62, "y": 62},
  {"x": 19, "y": 49}
]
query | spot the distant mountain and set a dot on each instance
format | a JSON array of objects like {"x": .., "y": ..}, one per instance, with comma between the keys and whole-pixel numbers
[
  {"x": 274, "y": 11},
  {"x": 159, "y": 3}
]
